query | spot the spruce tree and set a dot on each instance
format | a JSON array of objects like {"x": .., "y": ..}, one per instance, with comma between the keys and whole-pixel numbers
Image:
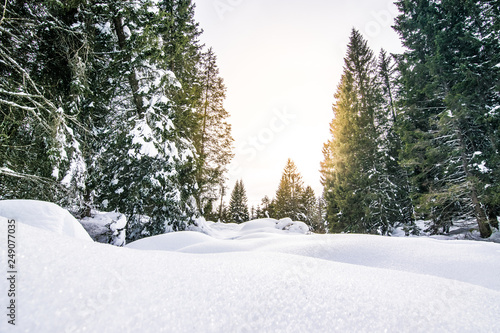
[
  {"x": 42, "y": 74},
  {"x": 290, "y": 193},
  {"x": 308, "y": 206},
  {"x": 238, "y": 206},
  {"x": 349, "y": 171},
  {"x": 98, "y": 108},
  {"x": 366, "y": 189},
  {"x": 450, "y": 87},
  {"x": 213, "y": 141},
  {"x": 268, "y": 207},
  {"x": 396, "y": 207},
  {"x": 144, "y": 161}
]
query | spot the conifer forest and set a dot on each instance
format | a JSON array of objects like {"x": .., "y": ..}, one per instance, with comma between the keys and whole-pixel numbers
[{"x": 118, "y": 106}]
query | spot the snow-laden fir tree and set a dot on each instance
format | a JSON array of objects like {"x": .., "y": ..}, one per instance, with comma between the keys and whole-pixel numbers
[
  {"x": 450, "y": 79},
  {"x": 99, "y": 107},
  {"x": 238, "y": 206},
  {"x": 144, "y": 157},
  {"x": 41, "y": 78}
]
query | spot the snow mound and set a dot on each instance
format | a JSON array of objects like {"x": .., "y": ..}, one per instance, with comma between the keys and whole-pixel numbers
[
  {"x": 43, "y": 215},
  {"x": 211, "y": 237},
  {"x": 269, "y": 224},
  {"x": 288, "y": 224},
  {"x": 280, "y": 284},
  {"x": 170, "y": 242}
]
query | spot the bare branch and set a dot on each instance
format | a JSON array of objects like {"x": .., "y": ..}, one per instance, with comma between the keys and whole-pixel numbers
[{"x": 3, "y": 12}]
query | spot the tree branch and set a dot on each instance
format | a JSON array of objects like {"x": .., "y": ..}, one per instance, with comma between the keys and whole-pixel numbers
[{"x": 3, "y": 12}]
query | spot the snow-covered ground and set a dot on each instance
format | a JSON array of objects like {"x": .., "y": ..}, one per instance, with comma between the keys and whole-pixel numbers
[{"x": 253, "y": 277}]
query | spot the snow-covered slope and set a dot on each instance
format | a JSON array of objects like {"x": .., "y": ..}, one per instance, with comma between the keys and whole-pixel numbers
[{"x": 254, "y": 278}]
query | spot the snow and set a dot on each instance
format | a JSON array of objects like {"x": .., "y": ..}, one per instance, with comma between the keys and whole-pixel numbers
[
  {"x": 482, "y": 167},
  {"x": 142, "y": 135},
  {"x": 104, "y": 29},
  {"x": 253, "y": 277},
  {"x": 44, "y": 215},
  {"x": 106, "y": 227}
]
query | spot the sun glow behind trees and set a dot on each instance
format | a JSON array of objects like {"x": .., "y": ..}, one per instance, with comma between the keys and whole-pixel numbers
[{"x": 286, "y": 56}]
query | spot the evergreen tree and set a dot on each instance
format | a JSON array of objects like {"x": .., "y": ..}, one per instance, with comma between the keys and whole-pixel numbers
[
  {"x": 213, "y": 141},
  {"x": 449, "y": 89},
  {"x": 289, "y": 193},
  {"x": 181, "y": 51},
  {"x": 268, "y": 207},
  {"x": 319, "y": 224},
  {"x": 144, "y": 161},
  {"x": 349, "y": 171},
  {"x": 259, "y": 214},
  {"x": 99, "y": 108},
  {"x": 308, "y": 205},
  {"x": 238, "y": 205},
  {"x": 366, "y": 189},
  {"x": 396, "y": 207},
  {"x": 42, "y": 62}
]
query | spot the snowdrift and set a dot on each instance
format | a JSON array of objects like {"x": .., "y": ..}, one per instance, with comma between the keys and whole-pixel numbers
[
  {"x": 253, "y": 277},
  {"x": 44, "y": 215}
]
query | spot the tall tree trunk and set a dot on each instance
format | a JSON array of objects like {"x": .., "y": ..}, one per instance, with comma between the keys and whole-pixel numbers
[
  {"x": 222, "y": 192},
  {"x": 482, "y": 221}
]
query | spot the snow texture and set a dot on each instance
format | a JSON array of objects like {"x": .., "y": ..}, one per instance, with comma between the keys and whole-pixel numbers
[{"x": 253, "y": 277}]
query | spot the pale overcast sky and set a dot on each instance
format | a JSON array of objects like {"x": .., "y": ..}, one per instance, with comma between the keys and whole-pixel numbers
[{"x": 281, "y": 61}]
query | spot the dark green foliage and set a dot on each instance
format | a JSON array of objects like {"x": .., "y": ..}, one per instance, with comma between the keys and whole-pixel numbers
[
  {"x": 98, "y": 109},
  {"x": 39, "y": 152},
  {"x": 308, "y": 205},
  {"x": 268, "y": 208},
  {"x": 238, "y": 207},
  {"x": 365, "y": 188},
  {"x": 289, "y": 196},
  {"x": 449, "y": 98}
]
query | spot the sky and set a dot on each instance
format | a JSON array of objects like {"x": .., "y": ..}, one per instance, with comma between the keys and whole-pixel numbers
[{"x": 281, "y": 61}]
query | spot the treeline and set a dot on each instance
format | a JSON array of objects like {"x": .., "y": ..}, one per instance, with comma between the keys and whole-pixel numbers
[
  {"x": 113, "y": 105},
  {"x": 292, "y": 200},
  {"x": 415, "y": 135}
]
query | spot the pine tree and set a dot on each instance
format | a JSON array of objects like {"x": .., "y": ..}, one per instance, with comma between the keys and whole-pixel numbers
[
  {"x": 319, "y": 224},
  {"x": 349, "y": 171},
  {"x": 366, "y": 188},
  {"x": 98, "y": 108},
  {"x": 450, "y": 87},
  {"x": 396, "y": 207},
  {"x": 238, "y": 205},
  {"x": 308, "y": 206},
  {"x": 144, "y": 165},
  {"x": 268, "y": 207},
  {"x": 290, "y": 193},
  {"x": 40, "y": 76},
  {"x": 259, "y": 214},
  {"x": 213, "y": 141}
]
